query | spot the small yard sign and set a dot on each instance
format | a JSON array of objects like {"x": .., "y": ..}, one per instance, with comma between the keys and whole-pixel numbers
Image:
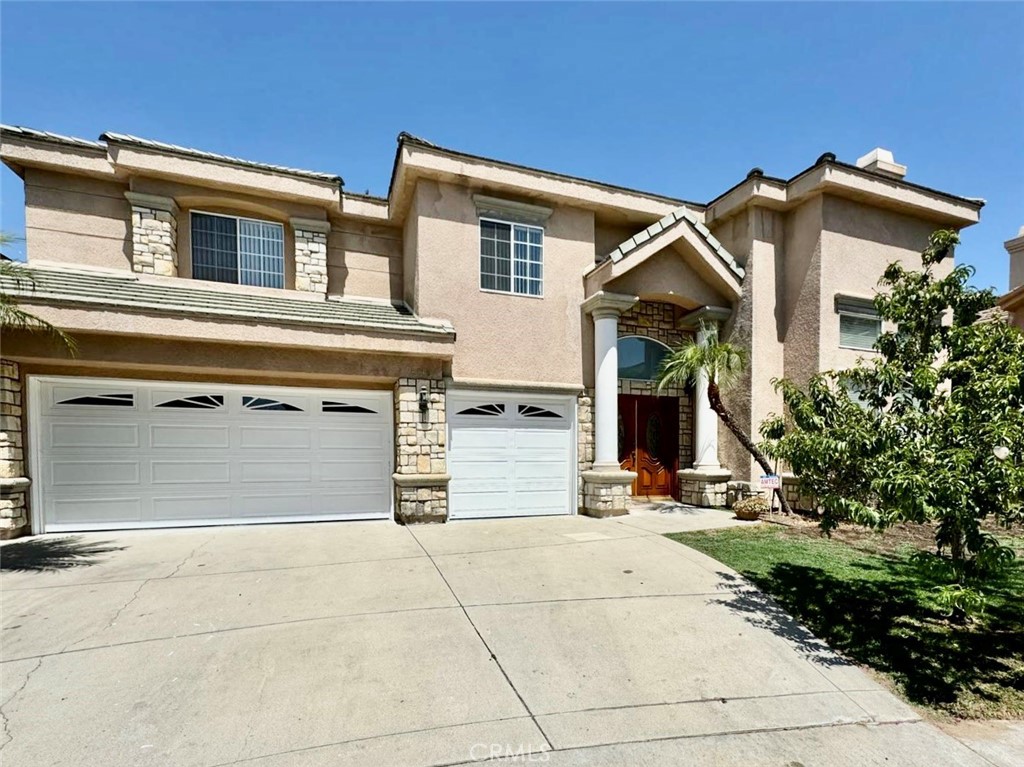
[{"x": 771, "y": 481}]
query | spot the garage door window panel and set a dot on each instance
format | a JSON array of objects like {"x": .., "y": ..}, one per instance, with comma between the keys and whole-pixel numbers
[
  {"x": 101, "y": 400},
  {"x": 496, "y": 409},
  {"x": 200, "y": 402},
  {"x": 268, "y": 404}
]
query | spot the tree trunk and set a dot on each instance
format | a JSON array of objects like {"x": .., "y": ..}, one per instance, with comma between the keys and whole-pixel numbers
[{"x": 715, "y": 399}]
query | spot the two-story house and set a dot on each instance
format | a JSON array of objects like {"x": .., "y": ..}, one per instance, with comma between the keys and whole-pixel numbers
[{"x": 256, "y": 344}]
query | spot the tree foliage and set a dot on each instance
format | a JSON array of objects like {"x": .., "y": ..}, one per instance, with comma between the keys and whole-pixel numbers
[
  {"x": 15, "y": 276},
  {"x": 930, "y": 429},
  {"x": 722, "y": 365}
]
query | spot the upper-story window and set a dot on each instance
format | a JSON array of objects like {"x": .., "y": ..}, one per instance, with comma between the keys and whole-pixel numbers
[
  {"x": 511, "y": 257},
  {"x": 859, "y": 323},
  {"x": 244, "y": 251}
]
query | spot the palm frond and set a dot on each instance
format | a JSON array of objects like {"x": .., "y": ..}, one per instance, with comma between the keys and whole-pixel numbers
[
  {"x": 721, "y": 362},
  {"x": 12, "y": 317}
]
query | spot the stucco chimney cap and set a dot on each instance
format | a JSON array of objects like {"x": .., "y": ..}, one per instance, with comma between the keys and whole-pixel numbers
[{"x": 880, "y": 160}]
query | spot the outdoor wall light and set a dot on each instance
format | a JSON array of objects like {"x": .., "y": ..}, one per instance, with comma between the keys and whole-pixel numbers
[{"x": 423, "y": 399}]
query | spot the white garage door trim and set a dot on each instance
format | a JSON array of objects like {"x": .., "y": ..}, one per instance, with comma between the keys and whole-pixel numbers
[
  {"x": 333, "y": 428},
  {"x": 519, "y": 413}
]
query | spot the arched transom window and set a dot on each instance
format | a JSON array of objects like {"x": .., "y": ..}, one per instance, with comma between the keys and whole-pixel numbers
[{"x": 640, "y": 358}]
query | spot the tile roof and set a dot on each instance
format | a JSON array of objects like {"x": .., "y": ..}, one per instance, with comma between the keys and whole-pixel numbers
[
  {"x": 669, "y": 221},
  {"x": 55, "y": 138},
  {"x": 408, "y": 138},
  {"x": 59, "y": 286},
  {"x": 160, "y": 146}
]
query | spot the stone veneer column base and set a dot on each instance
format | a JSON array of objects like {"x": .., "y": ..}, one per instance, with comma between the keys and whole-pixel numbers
[
  {"x": 605, "y": 493},
  {"x": 13, "y": 482},
  {"x": 421, "y": 469},
  {"x": 700, "y": 487},
  {"x": 421, "y": 498}
]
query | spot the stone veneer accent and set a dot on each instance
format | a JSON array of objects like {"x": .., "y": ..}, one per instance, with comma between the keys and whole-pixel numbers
[
  {"x": 704, "y": 488},
  {"x": 421, "y": 466},
  {"x": 311, "y": 254},
  {"x": 13, "y": 483},
  {"x": 656, "y": 320},
  {"x": 154, "y": 234},
  {"x": 584, "y": 438},
  {"x": 606, "y": 494},
  {"x": 798, "y": 500}
]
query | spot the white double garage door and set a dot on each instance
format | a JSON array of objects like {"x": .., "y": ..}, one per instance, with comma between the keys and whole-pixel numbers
[{"x": 115, "y": 454}]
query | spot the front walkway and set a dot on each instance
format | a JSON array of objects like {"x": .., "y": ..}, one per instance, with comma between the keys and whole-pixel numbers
[{"x": 598, "y": 642}]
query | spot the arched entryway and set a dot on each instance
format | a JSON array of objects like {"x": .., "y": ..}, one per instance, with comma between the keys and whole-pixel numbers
[{"x": 655, "y": 435}]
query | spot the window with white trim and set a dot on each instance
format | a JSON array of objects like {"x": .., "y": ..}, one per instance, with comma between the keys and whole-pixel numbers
[
  {"x": 244, "y": 251},
  {"x": 859, "y": 323},
  {"x": 511, "y": 257}
]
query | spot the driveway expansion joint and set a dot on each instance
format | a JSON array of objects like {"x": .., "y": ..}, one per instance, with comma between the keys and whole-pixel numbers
[{"x": 494, "y": 657}]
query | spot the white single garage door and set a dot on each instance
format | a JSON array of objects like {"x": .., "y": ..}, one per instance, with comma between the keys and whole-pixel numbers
[
  {"x": 511, "y": 454},
  {"x": 111, "y": 454}
]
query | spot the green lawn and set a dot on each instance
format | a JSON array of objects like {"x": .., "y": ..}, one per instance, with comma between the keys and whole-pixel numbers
[{"x": 867, "y": 600}]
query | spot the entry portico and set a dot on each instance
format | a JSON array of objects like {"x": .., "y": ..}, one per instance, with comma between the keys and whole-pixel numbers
[{"x": 672, "y": 282}]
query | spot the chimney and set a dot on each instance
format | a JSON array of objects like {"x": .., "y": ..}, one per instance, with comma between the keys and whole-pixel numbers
[{"x": 881, "y": 161}]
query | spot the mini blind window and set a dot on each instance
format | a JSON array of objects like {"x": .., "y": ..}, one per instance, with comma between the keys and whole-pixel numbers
[
  {"x": 858, "y": 332},
  {"x": 859, "y": 323}
]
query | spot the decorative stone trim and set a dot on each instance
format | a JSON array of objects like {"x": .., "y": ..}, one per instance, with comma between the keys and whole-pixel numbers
[
  {"x": 311, "y": 254},
  {"x": 605, "y": 493},
  {"x": 421, "y": 467},
  {"x": 704, "y": 488},
  {"x": 584, "y": 439},
  {"x": 14, "y": 513},
  {"x": 154, "y": 234},
  {"x": 421, "y": 480}
]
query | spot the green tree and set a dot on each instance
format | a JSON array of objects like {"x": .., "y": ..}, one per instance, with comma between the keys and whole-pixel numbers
[
  {"x": 931, "y": 429},
  {"x": 721, "y": 364},
  {"x": 18, "y": 277}
]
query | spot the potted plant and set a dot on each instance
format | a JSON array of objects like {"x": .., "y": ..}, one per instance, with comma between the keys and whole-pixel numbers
[{"x": 750, "y": 508}]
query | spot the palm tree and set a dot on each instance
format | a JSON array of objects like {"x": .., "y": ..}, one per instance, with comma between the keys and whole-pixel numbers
[
  {"x": 16, "y": 275},
  {"x": 721, "y": 364}
]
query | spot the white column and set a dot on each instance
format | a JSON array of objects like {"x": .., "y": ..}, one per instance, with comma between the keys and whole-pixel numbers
[
  {"x": 606, "y": 389},
  {"x": 705, "y": 421}
]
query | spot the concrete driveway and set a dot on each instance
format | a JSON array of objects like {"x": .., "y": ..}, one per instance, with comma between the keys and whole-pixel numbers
[{"x": 562, "y": 641}]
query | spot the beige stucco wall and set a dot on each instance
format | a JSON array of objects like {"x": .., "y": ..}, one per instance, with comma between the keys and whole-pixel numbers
[
  {"x": 796, "y": 263},
  {"x": 176, "y": 359},
  {"x": 76, "y": 219},
  {"x": 858, "y": 242},
  {"x": 668, "y": 277},
  {"x": 364, "y": 259},
  {"x": 83, "y": 220},
  {"x": 756, "y": 237},
  {"x": 608, "y": 236},
  {"x": 500, "y": 336},
  {"x": 801, "y": 314}
]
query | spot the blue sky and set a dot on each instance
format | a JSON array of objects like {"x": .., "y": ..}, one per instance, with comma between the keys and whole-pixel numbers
[{"x": 679, "y": 99}]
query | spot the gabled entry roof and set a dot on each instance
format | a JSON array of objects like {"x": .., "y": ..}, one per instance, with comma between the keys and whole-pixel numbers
[
  {"x": 680, "y": 216},
  {"x": 716, "y": 265}
]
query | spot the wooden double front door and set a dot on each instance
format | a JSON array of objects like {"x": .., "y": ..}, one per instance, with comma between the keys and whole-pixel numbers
[{"x": 649, "y": 442}]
